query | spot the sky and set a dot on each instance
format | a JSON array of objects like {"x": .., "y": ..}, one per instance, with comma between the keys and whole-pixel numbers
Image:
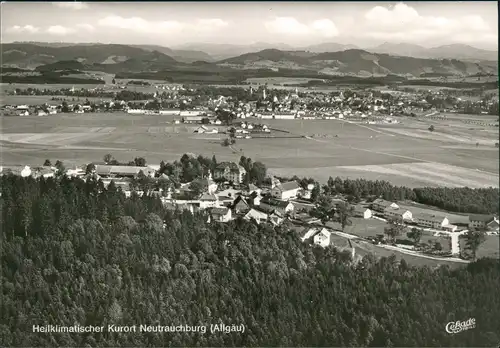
[{"x": 299, "y": 24}]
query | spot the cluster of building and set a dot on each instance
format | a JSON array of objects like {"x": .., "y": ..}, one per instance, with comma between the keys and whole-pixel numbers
[
  {"x": 275, "y": 104},
  {"x": 223, "y": 201},
  {"x": 391, "y": 210}
]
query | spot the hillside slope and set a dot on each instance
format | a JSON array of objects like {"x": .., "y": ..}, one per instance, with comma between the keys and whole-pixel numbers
[
  {"x": 25, "y": 55},
  {"x": 454, "y": 51},
  {"x": 358, "y": 62}
]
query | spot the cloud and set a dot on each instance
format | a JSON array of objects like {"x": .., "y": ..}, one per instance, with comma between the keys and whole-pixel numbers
[
  {"x": 60, "y": 30},
  {"x": 287, "y": 25},
  {"x": 24, "y": 29},
  {"x": 85, "y": 26},
  {"x": 403, "y": 22},
  {"x": 326, "y": 27},
  {"x": 291, "y": 26},
  {"x": 140, "y": 25},
  {"x": 71, "y": 5},
  {"x": 213, "y": 23}
]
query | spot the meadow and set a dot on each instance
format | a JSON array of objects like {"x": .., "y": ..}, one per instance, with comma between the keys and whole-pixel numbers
[{"x": 358, "y": 151}]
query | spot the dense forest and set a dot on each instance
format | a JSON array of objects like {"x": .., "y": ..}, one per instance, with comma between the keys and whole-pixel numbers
[
  {"x": 74, "y": 253},
  {"x": 456, "y": 199}
]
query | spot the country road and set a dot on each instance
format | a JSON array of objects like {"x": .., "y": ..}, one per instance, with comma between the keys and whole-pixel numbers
[{"x": 369, "y": 247}]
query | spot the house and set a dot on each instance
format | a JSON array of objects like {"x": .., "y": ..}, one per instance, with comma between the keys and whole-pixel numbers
[
  {"x": 322, "y": 238},
  {"x": 122, "y": 171},
  {"x": 286, "y": 191},
  {"x": 272, "y": 204},
  {"x": 192, "y": 119},
  {"x": 201, "y": 129},
  {"x": 252, "y": 188},
  {"x": 380, "y": 205},
  {"x": 225, "y": 201},
  {"x": 241, "y": 205},
  {"x": 230, "y": 171},
  {"x": 493, "y": 225},
  {"x": 431, "y": 221},
  {"x": 276, "y": 218},
  {"x": 178, "y": 207},
  {"x": 308, "y": 233},
  {"x": 26, "y": 171},
  {"x": 360, "y": 211},
  {"x": 481, "y": 221},
  {"x": 397, "y": 213},
  {"x": 208, "y": 201},
  {"x": 254, "y": 199},
  {"x": 76, "y": 172},
  {"x": 256, "y": 215},
  {"x": 221, "y": 214}
]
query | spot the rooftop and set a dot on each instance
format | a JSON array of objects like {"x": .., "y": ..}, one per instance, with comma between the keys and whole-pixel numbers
[
  {"x": 288, "y": 186},
  {"x": 429, "y": 217},
  {"x": 219, "y": 211},
  {"x": 481, "y": 218}
]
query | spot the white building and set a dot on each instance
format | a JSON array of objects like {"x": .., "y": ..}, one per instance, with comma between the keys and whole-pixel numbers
[
  {"x": 286, "y": 191},
  {"x": 365, "y": 213},
  {"x": 26, "y": 171},
  {"x": 208, "y": 201},
  {"x": 322, "y": 238},
  {"x": 431, "y": 221},
  {"x": 230, "y": 171},
  {"x": 397, "y": 213},
  {"x": 381, "y": 204},
  {"x": 256, "y": 215},
  {"x": 221, "y": 214},
  {"x": 271, "y": 204},
  {"x": 481, "y": 221}
]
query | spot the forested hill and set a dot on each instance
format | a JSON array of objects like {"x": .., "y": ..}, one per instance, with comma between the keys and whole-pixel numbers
[{"x": 76, "y": 254}]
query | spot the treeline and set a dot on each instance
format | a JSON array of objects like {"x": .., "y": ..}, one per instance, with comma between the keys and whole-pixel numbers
[
  {"x": 49, "y": 78},
  {"x": 457, "y": 199},
  {"x": 67, "y": 92},
  {"x": 74, "y": 253},
  {"x": 189, "y": 168},
  {"x": 462, "y": 84}
]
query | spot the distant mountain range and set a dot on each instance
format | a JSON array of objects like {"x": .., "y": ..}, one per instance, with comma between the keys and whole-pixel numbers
[
  {"x": 111, "y": 58},
  {"x": 357, "y": 62},
  {"x": 454, "y": 51},
  {"x": 185, "y": 56}
]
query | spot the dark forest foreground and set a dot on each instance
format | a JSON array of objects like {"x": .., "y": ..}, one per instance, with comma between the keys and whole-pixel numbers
[{"x": 74, "y": 253}]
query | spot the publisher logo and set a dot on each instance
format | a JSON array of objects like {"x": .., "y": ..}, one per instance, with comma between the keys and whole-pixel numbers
[{"x": 455, "y": 327}]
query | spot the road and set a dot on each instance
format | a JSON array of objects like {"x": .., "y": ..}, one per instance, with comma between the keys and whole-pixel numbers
[{"x": 369, "y": 247}]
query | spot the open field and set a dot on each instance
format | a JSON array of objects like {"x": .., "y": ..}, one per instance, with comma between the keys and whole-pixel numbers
[
  {"x": 280, "y": 80},
  {"x": 489, "y": 248},
  {"x": 372, "y": 152}
]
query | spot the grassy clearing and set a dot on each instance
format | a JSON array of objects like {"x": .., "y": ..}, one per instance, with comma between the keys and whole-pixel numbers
[
  {"x": 489, "y": 248},
  {"x": 280, "y": 80},
  {"x": 358, "y": 151}
]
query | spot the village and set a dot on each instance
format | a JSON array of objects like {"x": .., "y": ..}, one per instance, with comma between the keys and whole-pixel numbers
[
  {"x": 203, "y": 105},
  {"x": 224, "y": 196}
]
